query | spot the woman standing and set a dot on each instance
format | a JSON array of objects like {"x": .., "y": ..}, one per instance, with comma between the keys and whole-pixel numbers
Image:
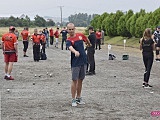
[{"x": 147, "y": 45}]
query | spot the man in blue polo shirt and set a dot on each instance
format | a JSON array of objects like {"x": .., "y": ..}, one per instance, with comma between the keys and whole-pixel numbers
[{"x": 78, "y": 62}]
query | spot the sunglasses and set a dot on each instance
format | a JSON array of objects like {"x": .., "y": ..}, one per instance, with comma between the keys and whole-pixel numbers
[{"x": 70, "y": 29}]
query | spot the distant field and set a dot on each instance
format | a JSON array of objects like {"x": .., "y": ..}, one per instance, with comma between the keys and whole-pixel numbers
[
  {"x": 132, "y": 42},
  {"x": 5, "y": 29}
]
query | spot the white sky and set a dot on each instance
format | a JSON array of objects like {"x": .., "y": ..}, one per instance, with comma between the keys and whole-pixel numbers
[{"x": 50, "y": 7}]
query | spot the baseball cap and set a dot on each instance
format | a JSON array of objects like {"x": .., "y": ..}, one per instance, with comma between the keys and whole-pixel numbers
[
  {"x": 90, "y": 28},
  {"x": 12, "y": 28},
  {"x": 158, "y": 27}
]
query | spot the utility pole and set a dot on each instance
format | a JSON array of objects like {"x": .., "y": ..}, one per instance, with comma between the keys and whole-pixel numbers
[{"x": 61, "y": 14}]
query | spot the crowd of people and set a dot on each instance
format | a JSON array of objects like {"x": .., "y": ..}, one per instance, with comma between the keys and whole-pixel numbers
[{"x": 82, "y": 62}]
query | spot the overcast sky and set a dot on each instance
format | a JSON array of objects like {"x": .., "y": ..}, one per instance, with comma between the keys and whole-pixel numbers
[{"x": 51, "y": 7}]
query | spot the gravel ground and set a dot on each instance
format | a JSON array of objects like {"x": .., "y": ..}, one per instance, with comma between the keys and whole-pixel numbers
[{"x": 114, "y": 93}]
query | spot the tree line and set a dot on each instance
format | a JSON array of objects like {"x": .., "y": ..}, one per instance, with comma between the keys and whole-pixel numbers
[
  {"x": 126, "y": 24},
  {"x": 81, "y": 19},
  {"x": 26, "y": 22}
]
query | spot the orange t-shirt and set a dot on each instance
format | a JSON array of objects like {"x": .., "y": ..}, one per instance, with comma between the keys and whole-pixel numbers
[
  {"x": 9, "y": 39},
  {"x": 25, "y": 35},
  {"x": 43, "y": 38},
  {"x": 36, "y": 38}
]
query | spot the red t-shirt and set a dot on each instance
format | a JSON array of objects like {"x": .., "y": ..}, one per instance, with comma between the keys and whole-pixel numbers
[
  {"x": 9, "y": 39},
  {"x": 98, "y": 35},
  {"x": 25, "y": 35},
  {"x": 77, "y": 37},
  {"x": 56, "y": 34},
  {"x": 51, "y": 32}
]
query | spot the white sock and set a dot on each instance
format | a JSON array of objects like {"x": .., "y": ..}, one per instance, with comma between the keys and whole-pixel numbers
[{"x": 8, "y": 75}]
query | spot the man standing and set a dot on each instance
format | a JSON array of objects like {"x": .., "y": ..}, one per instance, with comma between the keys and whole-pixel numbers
[
  {"x": 56, "y": 34},
  {"x": 91, "y": 52},
  {"x": 102, "y": 34},
  {"x": 156, "y": 36},
  {"x": 98, "y": 39},
  {"x": 78, "y": 62},
  {"x": 42, "y": 41},
  {"x": 10, "y": 51},
  {"x": 64, "y": 36},
  {"x": 36, "y": 45},
  {"x": 25, "y": 37},
  {"x": 51, "y": 34},
  {"x": 46, "y": 32}
]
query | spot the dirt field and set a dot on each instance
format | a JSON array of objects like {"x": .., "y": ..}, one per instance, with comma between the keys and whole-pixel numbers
[{"x": 114, "y": 93}]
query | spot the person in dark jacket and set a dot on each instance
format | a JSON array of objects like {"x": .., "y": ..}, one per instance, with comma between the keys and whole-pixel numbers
[{"x": 91, "y": 52}]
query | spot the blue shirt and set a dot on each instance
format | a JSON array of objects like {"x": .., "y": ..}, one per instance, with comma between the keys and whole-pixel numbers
[{"x": 77, "y": 43}]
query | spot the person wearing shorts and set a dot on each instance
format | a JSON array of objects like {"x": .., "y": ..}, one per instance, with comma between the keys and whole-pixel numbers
[
  {"x": 78, "y": 62},
  {"x": 10, "y": 51}
]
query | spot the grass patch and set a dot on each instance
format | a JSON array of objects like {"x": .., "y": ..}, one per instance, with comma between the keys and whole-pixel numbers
[{"x": 132, "y": 42}]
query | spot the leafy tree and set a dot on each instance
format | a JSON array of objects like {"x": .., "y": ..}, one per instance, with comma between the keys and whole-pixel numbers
[
  {"x": 100, "y": 20},
  {"x": 50, "y": 22},
  {"x": 132, "y": 23},
  {"x": 139, "y": 27},
  {"x": 156, "y": 17},
  {"x": 80, "y": 19},
  {"x": 121, "y": 29},
  {"x": 95, "y": 21},
  {"x": 39, "y": 21}
]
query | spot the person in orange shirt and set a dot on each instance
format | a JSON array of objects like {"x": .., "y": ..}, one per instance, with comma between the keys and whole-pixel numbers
[
  {"x": 51, "y": 34},
  {"x": 98, "y": 39},
  {"x": 36, "y": 45},
  {"x": 25, "y": 37},
  {"x": 10, "y": 51},
  {"x": 56, "y": 34}
]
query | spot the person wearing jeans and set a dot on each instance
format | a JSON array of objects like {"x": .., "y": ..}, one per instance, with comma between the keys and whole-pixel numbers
[{"x": 147, "y": 46}]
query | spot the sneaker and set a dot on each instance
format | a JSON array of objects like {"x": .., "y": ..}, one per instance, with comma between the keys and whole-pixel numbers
[
  {"x": 89, "y": 73},
  {"x": 5, "y": 77},
  {"x": 74, "y": 103},
  {"x": 147, "y": 86},
  {"x": 157, "y": 60},
  {"x": 9, "y": 78},
  {"x": 143, "y": 84},
  {"x": 25, "y": 56},
  {"x": 80, "y": 101},
  {"x": 94, "y": 72}
]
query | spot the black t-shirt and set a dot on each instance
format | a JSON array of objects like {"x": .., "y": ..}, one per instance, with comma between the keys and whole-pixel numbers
[
  {"x": 92, "y": 39},
  {"x": 64, "y": 33},
  {"x": 147, "y": 45}
]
